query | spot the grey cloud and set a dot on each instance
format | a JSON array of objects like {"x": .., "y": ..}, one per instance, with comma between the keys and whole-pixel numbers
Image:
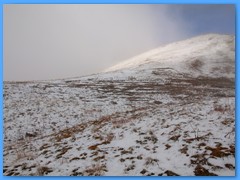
[{"x": 60, "y": 41}]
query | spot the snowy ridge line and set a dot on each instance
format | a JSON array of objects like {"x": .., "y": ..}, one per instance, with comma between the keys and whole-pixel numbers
[{"x": 172, "y": 54}]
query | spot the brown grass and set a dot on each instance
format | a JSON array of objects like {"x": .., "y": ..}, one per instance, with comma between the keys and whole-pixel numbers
[
  {"x": 96, "y": 170},
  {"x": 220, "y": 151},
  {"x": 198, "y": 138},
  {"x": 93, "y": 147},
  {"x": 62, "y": 152},
  {"x": 175, "y": 138},
  {"x": 69, "y": 132},
  {"x": 201, "y": 171},
  {"x": 43, "y": 170},
  {"x": 151, "y": 161},
  {"x": 222, "y": 108},
  {"x": 184, "y": 150}
]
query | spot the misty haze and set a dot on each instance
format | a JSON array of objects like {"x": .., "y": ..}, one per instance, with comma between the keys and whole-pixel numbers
[
  {"x": 43, "y": 42},
  {"x": 119, "y": 90}
]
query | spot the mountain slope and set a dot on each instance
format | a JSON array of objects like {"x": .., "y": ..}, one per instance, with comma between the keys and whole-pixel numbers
[
  {"x": 169, "y": 112},
  {"x": 210, "y": 54}
]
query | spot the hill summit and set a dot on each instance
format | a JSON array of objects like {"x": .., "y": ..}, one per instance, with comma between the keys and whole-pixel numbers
[{"x": 207, "y": 55}]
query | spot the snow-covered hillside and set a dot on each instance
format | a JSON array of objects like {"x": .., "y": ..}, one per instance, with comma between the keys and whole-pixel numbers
[
  {"x": 169, "y": 111},
  {"x": 210, "y": 54}
]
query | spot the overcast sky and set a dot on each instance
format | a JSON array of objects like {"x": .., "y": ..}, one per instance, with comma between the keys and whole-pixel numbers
[{"x": 44, "y": 42}]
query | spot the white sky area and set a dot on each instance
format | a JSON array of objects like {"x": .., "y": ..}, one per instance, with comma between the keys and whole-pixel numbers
[{"x": 43, "y": 42}]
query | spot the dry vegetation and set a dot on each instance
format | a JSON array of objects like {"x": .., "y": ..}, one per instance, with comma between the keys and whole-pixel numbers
[{"x": 113, "y": 113}]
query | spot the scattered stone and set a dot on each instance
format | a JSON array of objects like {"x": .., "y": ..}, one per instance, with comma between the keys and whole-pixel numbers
[
  {"x": 167, "y": 146},
  {"x": 229, "y": 166},
  {"x": 170, "y": 173},
  {"x": 143, "y": 171}
]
